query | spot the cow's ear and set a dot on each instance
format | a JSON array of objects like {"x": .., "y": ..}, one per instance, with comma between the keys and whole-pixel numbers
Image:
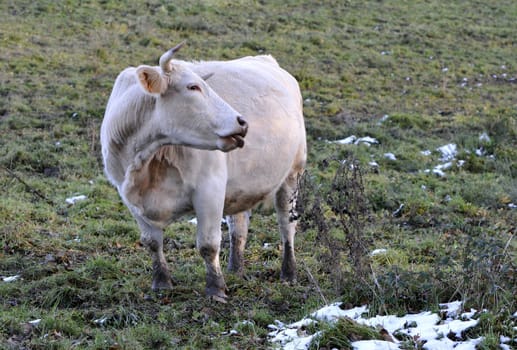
[{"x": 151, "y": 80}]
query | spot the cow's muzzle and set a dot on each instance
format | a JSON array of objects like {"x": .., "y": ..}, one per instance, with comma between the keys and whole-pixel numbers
[
  {"x": 236, "y": 139},
  {"x": 244, "y": 130}
]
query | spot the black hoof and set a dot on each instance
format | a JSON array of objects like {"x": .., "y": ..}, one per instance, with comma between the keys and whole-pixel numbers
[
  {"x": 217, "y": 294},
  {"x": 162, "y": 281}
]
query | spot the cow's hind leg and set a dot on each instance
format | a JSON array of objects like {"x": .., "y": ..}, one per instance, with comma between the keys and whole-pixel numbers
[
  {"x": 238, "y": 230},
  {"x": 152, "y": 238},
  {"x": 285, "y": 201}
]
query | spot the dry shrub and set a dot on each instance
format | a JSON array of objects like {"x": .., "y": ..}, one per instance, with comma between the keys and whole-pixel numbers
[{"x": 339, "y": 214}]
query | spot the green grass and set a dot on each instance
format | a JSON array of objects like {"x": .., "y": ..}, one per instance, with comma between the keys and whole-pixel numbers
[{"x": 443, "y": 72}]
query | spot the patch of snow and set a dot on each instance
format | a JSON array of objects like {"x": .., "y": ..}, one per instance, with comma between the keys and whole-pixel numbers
[
  {"x": 390, "y": 156},
  {"x": 468, "y": 314},
  {"x": 73, "y": 200},
  {"x": 333, "y": 312},
  {"x": 374, "y": 345},
  {"x": 425, "y": 153},
  {"x": 423, "y": 323},
  {"x": 398, "y": 211},
  {"x": 277, "y": 326},
  {"x": 439, "y": 169},
  {"x": 448, "y": 152},
  {"x": 444, "y": 166},
  {"x": 231, "y": 332},
  {"x": 484, "y": 137},
  {"x": 193, "y": 221},
  {"x": 367, "y": 140},
  {"x": 304, "y": 322},
  {"x": 504, "y": 339},
  {"x": 11, "y": 278},
  {"x": 100, "y": 321},
  {"x": 347, "y": 140},
  {"x": 451, "y": 309},
  {"x": 428, "y": 327},
  {"x": 512, "y": 206},
  {"x": 435, "y": 171},
  {"x": 384, "y": 118},
  {"x": 35, "y": 322},
  {"x": 373, "y": 164},
  {"x": 378, "y": 251}
]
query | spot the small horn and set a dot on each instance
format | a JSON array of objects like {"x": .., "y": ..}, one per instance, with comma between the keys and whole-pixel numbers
[
  {"x": 167, "y": 57},
  {"x": 207, "y": 76}
]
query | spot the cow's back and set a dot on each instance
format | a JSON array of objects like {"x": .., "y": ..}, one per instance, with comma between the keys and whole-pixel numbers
[{"x": 269, "y": 99}]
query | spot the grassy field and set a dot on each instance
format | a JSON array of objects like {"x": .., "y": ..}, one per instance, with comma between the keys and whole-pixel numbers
[{"x": 413, "y": 75}]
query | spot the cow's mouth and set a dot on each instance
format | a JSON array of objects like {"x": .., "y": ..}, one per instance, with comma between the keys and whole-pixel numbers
[
  {"x": 230, "y": 142},
  {"x": 238, "y": 140},
  {"x": 233, "y": 141}
]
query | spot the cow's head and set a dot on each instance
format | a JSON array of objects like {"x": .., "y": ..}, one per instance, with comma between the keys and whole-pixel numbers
[{"x": 188, "y": 110}]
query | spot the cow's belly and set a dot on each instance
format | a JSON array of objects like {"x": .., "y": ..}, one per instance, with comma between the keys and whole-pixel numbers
[
  {"x": 241, "y": 201},
  {"x": 255, "y": 181}
]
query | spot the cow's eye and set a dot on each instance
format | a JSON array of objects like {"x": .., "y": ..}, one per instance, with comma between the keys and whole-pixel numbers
[{"x": 194, "y": 87}]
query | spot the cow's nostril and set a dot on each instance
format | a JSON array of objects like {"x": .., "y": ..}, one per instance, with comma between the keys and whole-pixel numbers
[
  {"x": 244, "y": 125},
  {"x": 241, "y": 121}
]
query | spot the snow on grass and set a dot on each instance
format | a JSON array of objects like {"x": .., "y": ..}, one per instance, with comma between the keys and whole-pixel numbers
[
  {"x": 484, "y": 137},
  {"x": 35, "y": 322},
  {"x": 448, "y": 152},
  {"x": 367, "y": 140},
  {"x": 10, "y": 278},
  {"x": 435, "y": 331},
  {"x": 75, "y": 199},
  {"x": 378, "y": 251},
  {"x": 390, "y": 156}
]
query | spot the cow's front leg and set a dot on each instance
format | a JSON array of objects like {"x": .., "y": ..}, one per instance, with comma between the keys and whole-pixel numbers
[
  {"x": 152, "y": 238},
  {"x": 215, "y": 285},
  {"x": 238, "y": 231},
  {"x": 208, "y": 243},
  {"x": 208, "y": 205}
]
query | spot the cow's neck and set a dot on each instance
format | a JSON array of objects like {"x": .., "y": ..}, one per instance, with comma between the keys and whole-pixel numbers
[{"x": 149, "y": 140}]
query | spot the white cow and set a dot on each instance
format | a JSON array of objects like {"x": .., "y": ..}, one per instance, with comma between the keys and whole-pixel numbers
[{"x": 162, "y": 137}]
